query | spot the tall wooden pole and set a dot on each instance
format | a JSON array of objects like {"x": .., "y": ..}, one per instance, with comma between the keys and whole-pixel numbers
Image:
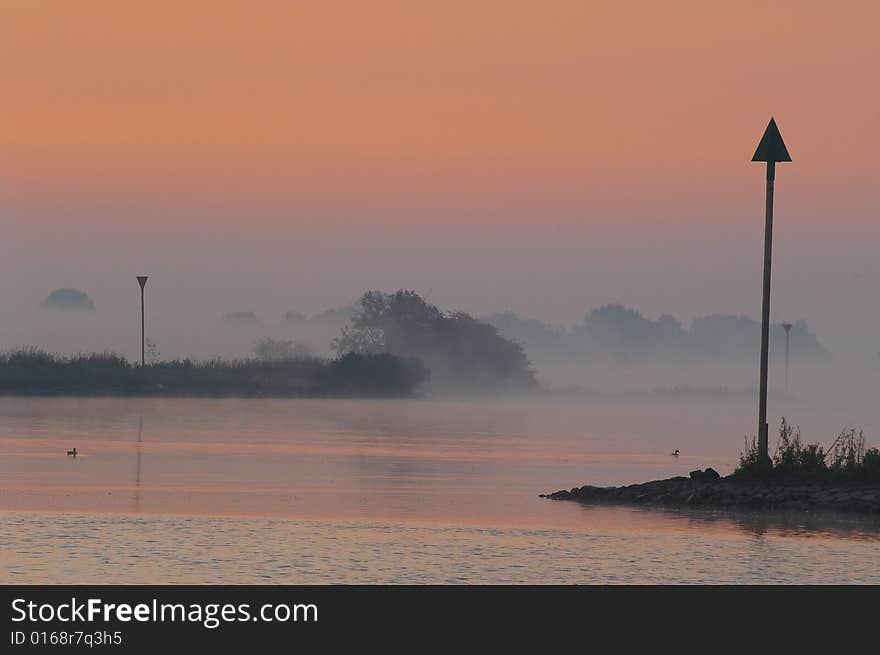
[
  {"x": 771, "y": 149},
  {"x": 765, "y": 314}
]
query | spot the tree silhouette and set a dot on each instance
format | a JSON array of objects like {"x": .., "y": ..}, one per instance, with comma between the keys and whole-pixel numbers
[{"x": 459, "y": 350}]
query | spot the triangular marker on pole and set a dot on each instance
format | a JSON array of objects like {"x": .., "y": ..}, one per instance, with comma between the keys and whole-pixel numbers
[{"x": 771, "y": 147}]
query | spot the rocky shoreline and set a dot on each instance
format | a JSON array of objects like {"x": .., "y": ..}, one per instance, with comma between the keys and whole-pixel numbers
[{"x": 708, "y": 489}]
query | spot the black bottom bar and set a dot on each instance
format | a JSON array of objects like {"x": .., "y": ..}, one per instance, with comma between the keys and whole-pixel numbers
[{"x": 256, "y": 618}]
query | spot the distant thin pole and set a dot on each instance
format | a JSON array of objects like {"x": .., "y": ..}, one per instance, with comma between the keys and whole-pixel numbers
[
  {"x": 786, "y": 361},
  {"x": 787, "y": 328},
  {"x": 142, "y": 281},
  {"x": 143, "y": 335}
]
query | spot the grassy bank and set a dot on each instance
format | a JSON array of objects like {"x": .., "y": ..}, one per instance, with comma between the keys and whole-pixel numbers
[
  {"x": 846, "y": 458},
  {"x": 36, "y": 372}
]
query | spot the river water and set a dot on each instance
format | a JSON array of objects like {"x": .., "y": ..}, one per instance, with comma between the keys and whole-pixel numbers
[{"x": 393, "y": 491}]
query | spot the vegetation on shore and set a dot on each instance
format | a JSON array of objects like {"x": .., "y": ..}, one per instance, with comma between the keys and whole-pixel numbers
[
  {"x": 846, "y": 458},
  {"x": 30, "y": 371}
]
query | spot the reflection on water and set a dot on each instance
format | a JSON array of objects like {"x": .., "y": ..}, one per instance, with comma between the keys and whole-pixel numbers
[
  {"x": 747, "y": 522},
  {"x": 387, "y": 491},
  {"x": 137, "y": 476},
  {"x": 93, "y": 548}
]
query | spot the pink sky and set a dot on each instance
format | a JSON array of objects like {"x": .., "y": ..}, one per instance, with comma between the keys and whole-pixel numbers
[{"x": 540, "y": 156}]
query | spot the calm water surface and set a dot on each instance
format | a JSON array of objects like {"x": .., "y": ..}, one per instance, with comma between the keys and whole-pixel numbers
[{"x": 300, "y": 491}]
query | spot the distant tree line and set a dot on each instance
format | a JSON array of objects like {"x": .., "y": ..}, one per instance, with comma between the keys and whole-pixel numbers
[
  {"x": 35, "y": 372},
  {"x": 618, "y": 331}
]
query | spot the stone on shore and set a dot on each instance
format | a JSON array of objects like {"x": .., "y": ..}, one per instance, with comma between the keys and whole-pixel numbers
[
  {"x": 708, "y": 489},
  {"x": 708, "y": 474}
]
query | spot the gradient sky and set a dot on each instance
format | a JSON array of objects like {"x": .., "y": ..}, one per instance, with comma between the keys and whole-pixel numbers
[{"x": 544, "y": 157}]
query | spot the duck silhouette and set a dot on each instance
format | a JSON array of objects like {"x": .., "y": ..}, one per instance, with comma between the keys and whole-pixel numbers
[
  {"x": 675, "y": 453},
  {"x": 72, "y": 452}
]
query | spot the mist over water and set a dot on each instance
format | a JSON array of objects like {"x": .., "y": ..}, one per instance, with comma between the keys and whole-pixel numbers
[
  {"x": 439, "y": 488},
  {"x": 842, "y": 379}
]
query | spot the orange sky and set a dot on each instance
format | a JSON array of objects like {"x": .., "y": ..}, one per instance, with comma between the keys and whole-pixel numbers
[
  {"x": 245, "y": 128},
  {"x": 324, "y": 106}
]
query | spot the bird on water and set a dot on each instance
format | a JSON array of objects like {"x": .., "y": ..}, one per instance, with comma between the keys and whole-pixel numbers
[{"x": 72, "y": 452}]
